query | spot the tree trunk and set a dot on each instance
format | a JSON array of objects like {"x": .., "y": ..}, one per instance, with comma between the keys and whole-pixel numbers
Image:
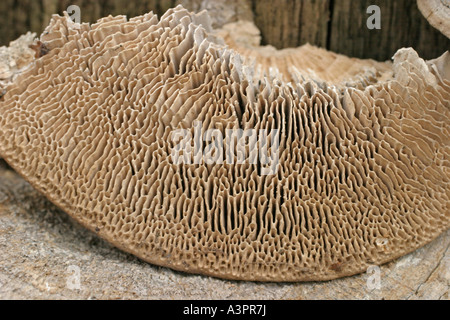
[{"x": 338, "y": 25}]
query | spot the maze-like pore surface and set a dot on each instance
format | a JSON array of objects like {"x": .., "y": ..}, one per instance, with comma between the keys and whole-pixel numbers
[{"x": 363, "y": 175}]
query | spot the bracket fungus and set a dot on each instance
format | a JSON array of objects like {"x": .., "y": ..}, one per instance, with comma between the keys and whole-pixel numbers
[
  {"x": 15, "y": 59},
  {"x": 363, "y": 171}
]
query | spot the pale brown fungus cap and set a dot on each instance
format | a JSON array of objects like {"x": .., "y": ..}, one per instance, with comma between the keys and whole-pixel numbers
[
  {"x": 363, "y": 175},
  {"x": 437, "y": 12}
]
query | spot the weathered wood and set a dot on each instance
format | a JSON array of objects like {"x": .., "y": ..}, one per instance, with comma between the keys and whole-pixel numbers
[
  {"x": 402, "y": 25},
  {"x": 287, "y": 23},
  {"x": 338, "y": 25}
]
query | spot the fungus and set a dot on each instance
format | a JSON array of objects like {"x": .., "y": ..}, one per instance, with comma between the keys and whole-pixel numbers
[
  {"x": 437, "y": 12},
  {"x": 14, "y": 59},
  {"x": 363, "y": 172},
  {"x": 290, "y": 64}
]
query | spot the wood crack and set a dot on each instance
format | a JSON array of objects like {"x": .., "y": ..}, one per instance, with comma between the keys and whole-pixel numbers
[{"x": 431, "y": 272}]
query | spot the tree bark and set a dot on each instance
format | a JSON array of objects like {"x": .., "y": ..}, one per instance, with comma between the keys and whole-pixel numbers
[{"x": 337, "y": 25}]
